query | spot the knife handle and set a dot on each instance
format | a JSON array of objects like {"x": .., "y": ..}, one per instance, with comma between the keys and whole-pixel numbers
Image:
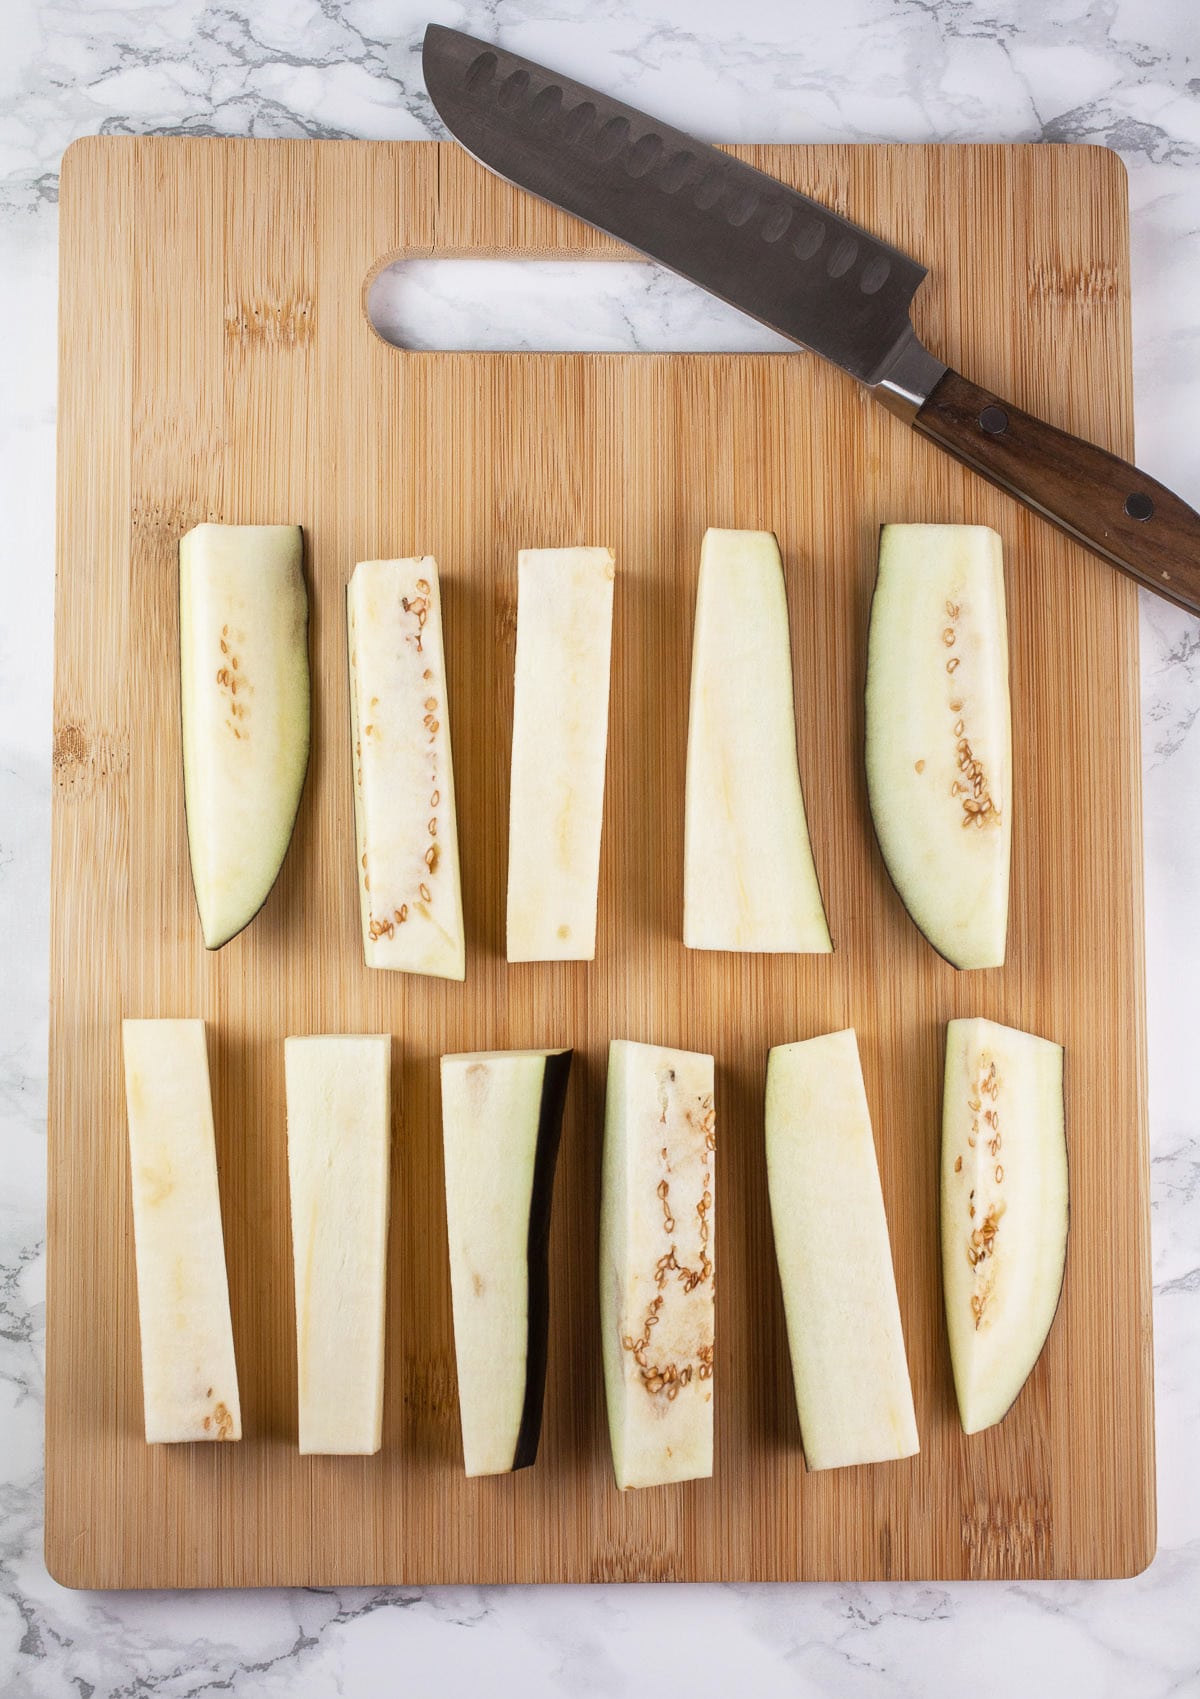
[{"x": 1092, "y": 495}]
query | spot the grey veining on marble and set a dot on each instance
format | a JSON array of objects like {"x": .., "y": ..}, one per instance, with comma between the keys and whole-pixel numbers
[
  {"x": 571, "y": 305},
  {"x": 1122, "y": 72}
]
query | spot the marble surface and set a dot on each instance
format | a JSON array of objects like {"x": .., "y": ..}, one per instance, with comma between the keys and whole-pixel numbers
[{"x": 1122, "y": 72}]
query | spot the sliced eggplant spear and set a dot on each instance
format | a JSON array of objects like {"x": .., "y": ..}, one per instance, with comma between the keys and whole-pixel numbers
[
  {"x": 559, "y": 747},
  {"x": 853, "y": 1391},
  {"x": 1005, "y": 1209},
  {"x": 406, "y": 826},
  {"x": 657, "y": 1262},
  {"x": 339, "y": 1159},
  {"x": 244, "y": 691},
  {"x": 502, "y": 1114},
  {"x": 750, "y": 882},
  {"x": 189, "y": 1376},
  {"x": 939, "y": 742}
]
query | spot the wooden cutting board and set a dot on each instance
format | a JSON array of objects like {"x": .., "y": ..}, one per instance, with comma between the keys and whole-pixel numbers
[{"x": 216, "y": 363}]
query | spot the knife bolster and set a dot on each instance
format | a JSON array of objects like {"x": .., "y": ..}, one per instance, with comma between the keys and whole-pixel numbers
[{"x": 908, "y": 377}]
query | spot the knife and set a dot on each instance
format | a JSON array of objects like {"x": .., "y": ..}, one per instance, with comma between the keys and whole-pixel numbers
[{"x": 797, "y": 266}]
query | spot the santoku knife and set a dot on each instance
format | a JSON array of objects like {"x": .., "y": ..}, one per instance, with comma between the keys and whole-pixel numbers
[{"x": 797, "y": 266}]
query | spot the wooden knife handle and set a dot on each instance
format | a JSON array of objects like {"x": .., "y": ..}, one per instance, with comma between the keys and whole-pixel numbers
[{"x": 1123, "y": 515}]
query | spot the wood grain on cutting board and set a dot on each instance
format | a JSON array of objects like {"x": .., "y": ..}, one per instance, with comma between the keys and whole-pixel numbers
[{"x": 216, "y": 363}]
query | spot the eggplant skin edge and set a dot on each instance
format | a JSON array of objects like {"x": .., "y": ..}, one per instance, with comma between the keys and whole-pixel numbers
[{"x": 549, "y": 1135}]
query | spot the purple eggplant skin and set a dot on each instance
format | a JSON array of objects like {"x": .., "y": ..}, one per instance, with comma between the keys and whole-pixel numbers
[{"x": 549, "y": 1133}]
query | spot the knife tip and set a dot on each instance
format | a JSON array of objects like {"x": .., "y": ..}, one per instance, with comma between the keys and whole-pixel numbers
[
  {"x": 447, "y": 57},
  {"x": 443, "y": 35}
]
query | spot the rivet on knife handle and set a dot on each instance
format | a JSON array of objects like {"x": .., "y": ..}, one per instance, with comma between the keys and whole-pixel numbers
[{"x": 1096, "y": 497}]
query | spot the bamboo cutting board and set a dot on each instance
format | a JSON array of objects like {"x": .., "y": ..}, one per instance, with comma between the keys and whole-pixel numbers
[{"x": 216, "y": 363}]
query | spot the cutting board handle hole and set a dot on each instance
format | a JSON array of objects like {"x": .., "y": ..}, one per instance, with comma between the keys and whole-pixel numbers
[{"x": 555, "y": 305}]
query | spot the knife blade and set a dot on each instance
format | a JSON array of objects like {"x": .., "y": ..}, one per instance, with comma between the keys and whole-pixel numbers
[{"x": 803, "y": 269}]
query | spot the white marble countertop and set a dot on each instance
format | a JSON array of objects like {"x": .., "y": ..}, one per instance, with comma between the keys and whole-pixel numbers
[{"x": 1121, "y": 72}]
